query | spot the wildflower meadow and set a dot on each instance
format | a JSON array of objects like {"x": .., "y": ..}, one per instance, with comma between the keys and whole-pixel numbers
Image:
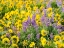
[{"x": 31, "y": 23}]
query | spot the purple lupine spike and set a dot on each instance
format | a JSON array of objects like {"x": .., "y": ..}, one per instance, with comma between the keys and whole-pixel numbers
[
  {"x": 44, "y": 10},
  {"x": 33, "y": 22},
  {"x": 38, "y": 36},
  {"x": 52, "y": 18},
  {"x": 29, "y": 20},
  {"x": 47, "y": 22},
  {"x": 28, "y": 36},
  {"x": 54, "y": 25},
  {"x": 24, "y": 28},
  {"x": 43, "y": 18},
  {"x": 58, "y": 26},
  {"x": 59, "y": 3},
  {"x": 25, "y": 25},
  {"x": 49, "y": 4},
  {"x": 59, "y": 31},
  {"x": 51, "y": 35}
]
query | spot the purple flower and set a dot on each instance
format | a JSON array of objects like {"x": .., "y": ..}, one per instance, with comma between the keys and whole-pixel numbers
[
  {"x": 44, "y": 10},
  {"x": 26, "y": 24},
  {"x": 45, "y": 21},
  {"x": 59, "y": 30},
  {"x": 43, "y": 18},
  {"x": 29, "y": 20},
  {"x": 33, "y": 22},
  {"x": 38, "y": 36},
  {"x": 58, "y": 26},
  {"x": 24, "y": 29},
  {"x": 59, "y": 3},
  {"x": 54, "y": 25},
  {"x": 51, "y": 35},
  {"x": 48, "y": 5}
]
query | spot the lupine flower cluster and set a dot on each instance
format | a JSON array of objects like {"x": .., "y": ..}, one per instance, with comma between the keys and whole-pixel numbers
[{"x": 31, "y": 23}]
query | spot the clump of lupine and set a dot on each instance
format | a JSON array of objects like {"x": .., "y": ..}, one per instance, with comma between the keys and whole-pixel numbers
[{"x": 31, "y": 24}]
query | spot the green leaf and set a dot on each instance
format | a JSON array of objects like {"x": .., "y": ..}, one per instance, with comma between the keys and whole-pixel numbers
[{"x": 54, "y": 5}]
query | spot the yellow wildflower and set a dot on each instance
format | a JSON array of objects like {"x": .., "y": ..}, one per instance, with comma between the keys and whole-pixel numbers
[
  {"x": 62, "y": 37},
  {"x": 44, "y": 32},
  {"x": 1, "y": 28},
  {"x": 14, "y": 46},
  {"x": 43, "y": 41},
  {"x": 15, "y": 39},
  {"x": 10, "y": 31},
  {"x": 32, "y": 44},
  {"x": 35, "y": 8},
  {"x": 6, "y": 41},
  {"x": 59, "y": 44},
  {"x": 3, "y": 36},
  {"x": 50, "y": 14},
  {"x": 49, "y": 9},
  {"x": 62, "y": 33},
  {"x": 25, "y": 42},
  {"x": 57, "y": 38}
]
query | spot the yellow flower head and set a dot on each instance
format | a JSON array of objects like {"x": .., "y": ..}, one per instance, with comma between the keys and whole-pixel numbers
[
  {"x": 44, "y": 32},
  {"x": 62, "y": 37},
  {"x": 49, "y": 9},
  {"x": 25, "y": 42},
  {"x": 32, "y": 44},
  {"x": 6, "y": 41},
  {"x": 35, "y": 8},
  {"x": 3, "y": 36},
  {"x": 57, "y": 38},
  {"x": 15, "y": 46},
  {"x": 50, "y": 14},
  {"x": 1, "y": 28},
  {"x": 37, "y": 17},
  {"x": 59, "y": 44},
  {"x": 15, "y": 39},
  {"x": 23, "y": 12},
  {"x": 8, "y": 24},
  {"x": 62, "y": 33},
  {"x": 10, "y": 31},
  {"x": 57, "y": 15},
  {"x": 43, "y": 41}
]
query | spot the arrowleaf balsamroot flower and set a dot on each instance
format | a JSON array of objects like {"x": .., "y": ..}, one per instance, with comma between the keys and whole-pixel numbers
[
  {"x": 32, "y": 44},
  {"x": 44, "y": 32},
  {"x": 43, "y": 41},
  {"x": 15, "y": 39},
  {"x": 5, "y": 41}
]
